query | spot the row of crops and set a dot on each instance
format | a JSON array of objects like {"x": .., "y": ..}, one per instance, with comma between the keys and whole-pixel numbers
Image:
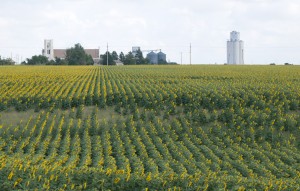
[
  {"x": 176, "y": 127},
  {"x": 25, "y": 88},
  {"x": 62, "y": 151},
  {"x": 261, "y": 97}
]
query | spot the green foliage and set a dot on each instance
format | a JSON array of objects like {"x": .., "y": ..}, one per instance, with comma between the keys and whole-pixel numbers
[
  {"x": 122, "y": 57},
  {"x": 59, "y": 61},
  {"x": 6, "y": 61},
  {"x": 114, "y": 55},
  {"x": 110, "y": 59},
  {"x": 77, "y": 56},
  {"x": 129, "y": 59},
  {"x": 79, "y": 112},
  {"x": 37, "y": 60},
  {"x": 139, "y": 58}
]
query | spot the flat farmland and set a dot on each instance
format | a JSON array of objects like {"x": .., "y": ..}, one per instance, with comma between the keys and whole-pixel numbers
[{"x": 150, "y": 128}]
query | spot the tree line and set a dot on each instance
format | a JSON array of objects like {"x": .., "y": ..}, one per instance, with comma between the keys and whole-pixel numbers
[
  {"x": 77, "y": 56},
  {"x": 6, "y": 61},
  {"x": 128, "y": 59}
]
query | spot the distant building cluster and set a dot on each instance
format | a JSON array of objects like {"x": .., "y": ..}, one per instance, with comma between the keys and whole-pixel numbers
[
  {"x": 235, "y": 52},
  {"x": 52, "y": 53},
  {"x": 152, "y": 56},
  {"x": 156, "y": 58},
  {"x": 235, "y": 49}
]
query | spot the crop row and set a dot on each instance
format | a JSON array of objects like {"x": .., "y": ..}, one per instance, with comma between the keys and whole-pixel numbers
[
  {"x": 67, "y": 87},
  {"x": 141, "y": 149}
]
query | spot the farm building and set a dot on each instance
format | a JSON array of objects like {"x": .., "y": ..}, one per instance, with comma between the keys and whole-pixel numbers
[{"x": 52, "y": 53}]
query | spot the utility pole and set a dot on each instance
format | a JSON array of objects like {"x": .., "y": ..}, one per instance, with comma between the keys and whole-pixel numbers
[
  {"x": 107, "y": 55},
  {"x": 190, "y": 53},
  {"x": 99, "y": 52},
  {"x": 181, "y": 57},
  {"x": 99, "y": 62}
]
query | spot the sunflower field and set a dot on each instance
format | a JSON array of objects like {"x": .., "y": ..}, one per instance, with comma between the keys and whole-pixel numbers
[{"x": 150, "y": 128}]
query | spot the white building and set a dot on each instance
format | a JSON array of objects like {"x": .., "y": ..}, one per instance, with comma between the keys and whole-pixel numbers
[
  {"x": 235, "y": 49},
  {"x": 48, "y": 49}
]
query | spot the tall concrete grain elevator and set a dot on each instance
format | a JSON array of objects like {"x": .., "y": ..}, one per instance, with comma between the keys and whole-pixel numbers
[{"x": 235, "y": 49}]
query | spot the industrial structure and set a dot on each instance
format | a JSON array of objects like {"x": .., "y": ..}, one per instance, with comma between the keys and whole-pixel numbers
[
  {"x": 135, "y": 49},
  {"x": 152, "y": 56},
  {"x": 162, "y": 57},
  {"x": 235, "y": 49},
  {"x": 52, "y": 53},
  {"x": 157, "y": 58}
]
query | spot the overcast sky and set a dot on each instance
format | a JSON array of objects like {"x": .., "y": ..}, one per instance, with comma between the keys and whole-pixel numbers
[{"x": 270, "y": 29}]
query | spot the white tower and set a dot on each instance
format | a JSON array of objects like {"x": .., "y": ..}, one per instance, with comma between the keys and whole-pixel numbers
[
  {"x": 48, "y": 49},
  {"x": 135, "y": 50},
  {"x": 235, "y": 49}
]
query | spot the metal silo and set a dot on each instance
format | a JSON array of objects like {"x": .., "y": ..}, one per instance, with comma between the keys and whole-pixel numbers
[
  {"x": 162, "y": 57},
  {"x": 152, "y": 57}
]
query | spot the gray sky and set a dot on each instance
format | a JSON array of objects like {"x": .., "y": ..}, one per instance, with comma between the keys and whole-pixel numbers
[{"x": 270, "y": 29}]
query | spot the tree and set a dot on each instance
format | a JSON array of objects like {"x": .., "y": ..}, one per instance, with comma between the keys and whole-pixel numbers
[
  {"x": 51, "y": 62},
  {"x": 59, "y": 61},
  {"x": 89, "y": 60},
  {"x": 114, "y": 55},
  {"x": 37, "y": 60},
  {"x": 6, "y": 61},
  {"x": 129, "y": 59},
  {"x": 77, "y": 56},
  {"x": 140, "y": 58},
  {"x": 122, "y": 57},
  {"x": 110, "y": 59}
]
